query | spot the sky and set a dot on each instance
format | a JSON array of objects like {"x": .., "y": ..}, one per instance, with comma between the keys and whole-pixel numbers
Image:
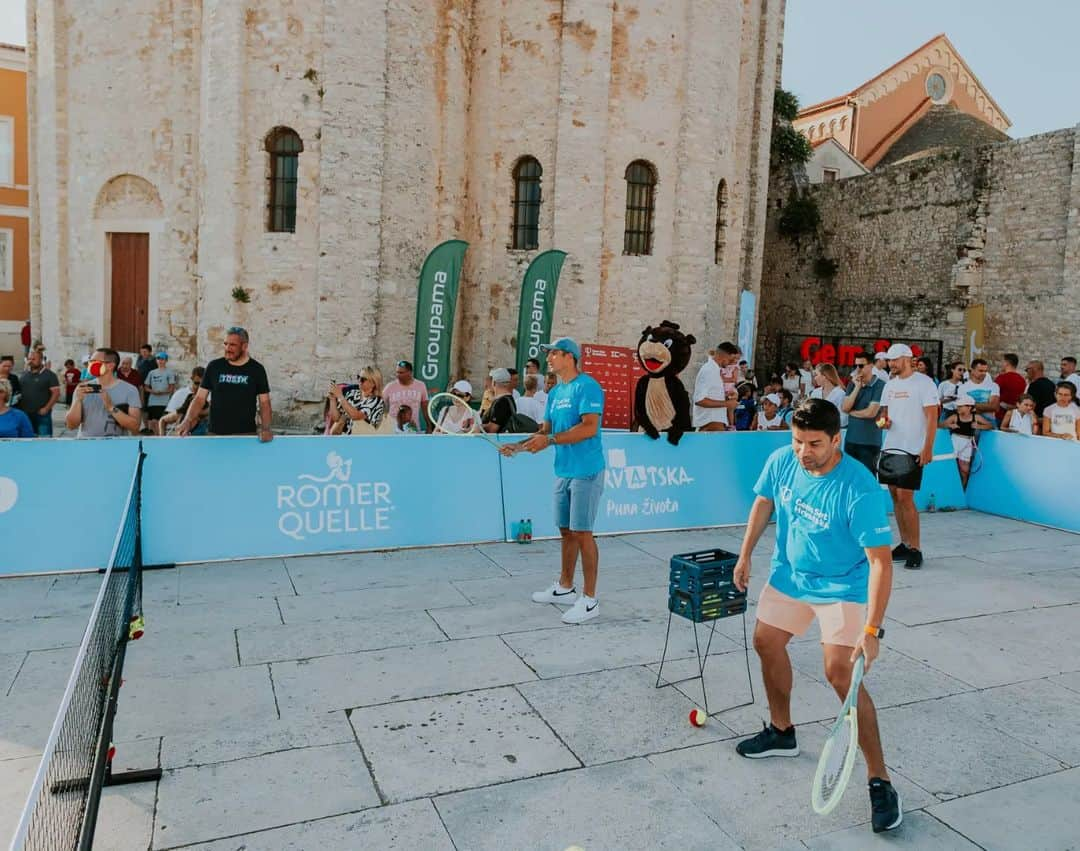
[{"x": 1024, "y": 53}]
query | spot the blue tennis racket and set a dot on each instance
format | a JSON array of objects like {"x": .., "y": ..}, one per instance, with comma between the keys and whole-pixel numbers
[{"x": 838, "y": 754}]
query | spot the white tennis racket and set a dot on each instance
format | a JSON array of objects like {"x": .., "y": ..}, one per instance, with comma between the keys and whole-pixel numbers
[
  {"x": 838, "y": 754},
  {"x": 450, "y": 414}
]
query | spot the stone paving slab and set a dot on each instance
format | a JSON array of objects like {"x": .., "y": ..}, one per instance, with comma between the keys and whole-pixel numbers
[
  {"x": 401, "y": 673},
  {"x": 521, "y": 587},
  {"x": 612, "y": 715},
  {"x": 949, "y": 754},
  {"x": 41, "y": 633},
  {"x": 228, "y": 613},
  {"x": 16, "y": 778},
  {"x": 284, "y": 642},
  {"x": 9, "y": 667},
  {"x": 763, "y": 803},
  {"x": 540, "y": 556},
  {"x": 126, "y": 818},
  {"x": 245, "y": 795},
  {"x": 996, "y": 649},
  {"x": 611, "y": 807},
  {"x": 174, "y": 654},
  {"x": 600, "y": 644},
  {"x": 378, "y": 570},
  {"x": 161, "y": 587},
  {"x": 498, "y": 618},
  {"x": 239, "y": 738},
  {"x": 22, "y": 596},
  {"x": 1069, "y": 681},
  {"x": 1036, "y": 815},
  {"x": 212, "y": 583},
  {"x": 70, "y": 596},
  {"x": 25, "y": 722},
  {"x": 967, "y": 597},
  {"x": 918, "y": 832},
  {"x": 412, "y": 826},
  {"x": 45, "y": 672},
  {"x": 443, "y": 744},
  {"x": 310, "y": 608},
  {"x": 159, "y": 706}
]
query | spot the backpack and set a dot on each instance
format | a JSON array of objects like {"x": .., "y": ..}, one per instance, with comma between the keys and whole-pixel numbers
[{"x": 519, "y": 423}]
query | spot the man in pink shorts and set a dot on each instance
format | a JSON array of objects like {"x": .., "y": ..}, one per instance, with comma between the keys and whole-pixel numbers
[{"x": 832, "y": 562}]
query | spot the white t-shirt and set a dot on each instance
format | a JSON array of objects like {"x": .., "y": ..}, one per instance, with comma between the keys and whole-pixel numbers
[
  {"x": 709, "y": 384},
  {"x": 948, "y": 391},
  {"x": 1075, "y": 379},
  {"x": 1021, "y": 423},
  {"x": 882, "y": 374},
  {"x": 532, "y": 406},
  {"x": 807, "y": 381},
  {"x": 981, "y": 393},
  {"x": 1062, "y": 420},
  {"x": 177, "y": 399},
  {"x": 794, "y": 385},
  {"x": 907, "y": 400},
  {"x": 836, "y": 396},
  {"x": 764, "y": 423}
]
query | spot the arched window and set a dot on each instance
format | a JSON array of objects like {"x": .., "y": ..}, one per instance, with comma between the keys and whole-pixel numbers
[
  {"x": 721, "y": 222},
  {"x": 284, "y": 146},
  {"x": 526, "y": 233},
  {"x": 640, "y": 207}
]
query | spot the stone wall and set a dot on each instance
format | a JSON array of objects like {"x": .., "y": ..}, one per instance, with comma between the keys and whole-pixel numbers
[
  {"x": 412, "y": 115},
  {"x": 917, "y": 242}
]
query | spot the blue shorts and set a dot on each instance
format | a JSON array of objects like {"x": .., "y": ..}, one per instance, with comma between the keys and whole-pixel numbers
[{"x": 577, "y": 501}]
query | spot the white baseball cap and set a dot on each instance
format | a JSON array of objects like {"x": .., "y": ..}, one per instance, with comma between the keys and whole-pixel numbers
[
  {"x": 899, "y": 350},
  {"x": 772, "y": 397},
  {"x": 964, "y": 400},
  {"x": 500, "y": 375},
  {"x": 462, "y": 386}
]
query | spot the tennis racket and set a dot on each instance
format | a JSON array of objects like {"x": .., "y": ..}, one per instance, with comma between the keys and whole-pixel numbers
[
  {"x": 450, "y": 414},
  {"x": 838, "y": 754}
]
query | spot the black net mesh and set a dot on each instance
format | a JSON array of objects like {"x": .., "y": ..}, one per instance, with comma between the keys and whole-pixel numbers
[{"x": 64, "y": 800}]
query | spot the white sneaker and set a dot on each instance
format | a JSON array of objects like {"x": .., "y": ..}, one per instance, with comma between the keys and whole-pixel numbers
[
  {"x": 582, "y": 611},
  {"x": 555, "y": 594}
]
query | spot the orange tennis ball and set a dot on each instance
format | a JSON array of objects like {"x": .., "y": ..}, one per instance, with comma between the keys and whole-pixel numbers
[{"x": 698, "y": 718}]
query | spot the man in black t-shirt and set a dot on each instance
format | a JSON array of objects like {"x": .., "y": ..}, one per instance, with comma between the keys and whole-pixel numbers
[
  {"x": 239, "y": 385},
  {"x": 503, "y": 407},
  {"x": 1040, "y": 388}
]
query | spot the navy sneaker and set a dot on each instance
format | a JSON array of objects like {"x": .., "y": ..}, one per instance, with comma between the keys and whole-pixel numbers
[
  {"x": 900, "y": 551},
  {"x": 913, "y": 560},
  {"x": 886, "y": 808},
  {"x": 769, "y": 742}
]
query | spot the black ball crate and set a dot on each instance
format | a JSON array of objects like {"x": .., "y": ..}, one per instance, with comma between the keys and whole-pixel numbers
[{"x": 702, "y": 586}]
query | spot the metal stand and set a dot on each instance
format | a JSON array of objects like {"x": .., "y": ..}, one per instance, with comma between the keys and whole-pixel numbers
[{"x": 701, "y": 661}]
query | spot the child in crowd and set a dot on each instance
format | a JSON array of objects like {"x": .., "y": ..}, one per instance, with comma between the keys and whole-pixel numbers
[
  {"x": 1062, "y": 419},
  {"x": 787, "y": 406},
  {"x": 768, "y": 418},
  {"x": 1022, "y": 419},
  {"x": 404, "y": 424},
  {"x": 962, "y": 425},
  {"x": 745, "y": 410}
]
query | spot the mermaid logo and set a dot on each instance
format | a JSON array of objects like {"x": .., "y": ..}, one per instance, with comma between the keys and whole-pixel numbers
[{"x": 331, "y": 503}]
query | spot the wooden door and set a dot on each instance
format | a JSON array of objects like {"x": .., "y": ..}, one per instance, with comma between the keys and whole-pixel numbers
[{"x": 130, "y": 290}]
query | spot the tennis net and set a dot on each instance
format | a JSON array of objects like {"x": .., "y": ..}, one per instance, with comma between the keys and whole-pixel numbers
[{"x": 61, "y": 809}]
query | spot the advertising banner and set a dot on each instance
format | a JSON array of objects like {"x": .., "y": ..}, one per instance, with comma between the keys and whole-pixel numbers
[
  {"x": 537, "y": 311},
  {"x": 617, "y": 370},
  {"x": 974, "y": 329},
  {"x": 747, "y": 324},
  {"x": 436, "y": 302}
]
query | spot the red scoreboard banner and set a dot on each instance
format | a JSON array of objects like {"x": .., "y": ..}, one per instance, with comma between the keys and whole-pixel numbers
[{"x": 617, "y": 369}]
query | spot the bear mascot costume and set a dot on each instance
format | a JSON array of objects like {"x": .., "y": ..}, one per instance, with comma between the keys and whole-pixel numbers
[{"x": 661, "y": 403}]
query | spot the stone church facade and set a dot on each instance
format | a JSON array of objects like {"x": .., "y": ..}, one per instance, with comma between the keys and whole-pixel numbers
[{"x": 153, "y": 124}]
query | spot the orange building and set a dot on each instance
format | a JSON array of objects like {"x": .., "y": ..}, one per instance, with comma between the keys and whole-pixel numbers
[
  {"x": 14, "y": 201},
  {"x": 931, "y": 93}
]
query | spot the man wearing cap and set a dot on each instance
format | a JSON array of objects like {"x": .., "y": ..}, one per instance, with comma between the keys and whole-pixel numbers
[
  {"x": 909, "y": 414},
  {"x": 405, "y": 390},
  {"x": 571, "y": 424},
  {"x": 160, "y": 385},
  {"x": 502, "y": 403},
  {"x": 863, "y": 439}
]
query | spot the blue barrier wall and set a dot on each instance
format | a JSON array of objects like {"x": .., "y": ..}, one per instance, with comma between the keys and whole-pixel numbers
[
  {"x": 208, "y": 499},
  {"x": 1027, "y": 478}
]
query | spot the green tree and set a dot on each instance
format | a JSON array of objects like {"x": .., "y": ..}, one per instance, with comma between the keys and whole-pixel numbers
[{"x": 789, "y": 147}]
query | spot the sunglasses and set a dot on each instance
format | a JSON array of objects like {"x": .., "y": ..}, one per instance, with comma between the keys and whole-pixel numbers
[
  {"x": 235, "y": 329},
  {"x": 404, "y": 364}
]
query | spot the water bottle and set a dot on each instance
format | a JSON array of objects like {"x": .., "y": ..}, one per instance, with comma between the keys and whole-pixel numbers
[
  {"x": 521, "y": 531},
  {"x": 932, "y": 505},
  {"x": 528, "y": 530}
]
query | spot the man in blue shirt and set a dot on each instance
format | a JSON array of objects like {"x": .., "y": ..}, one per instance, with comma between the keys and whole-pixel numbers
[
  {"x": 832, "y": 562},
  {"x": 572, "y": 425}
]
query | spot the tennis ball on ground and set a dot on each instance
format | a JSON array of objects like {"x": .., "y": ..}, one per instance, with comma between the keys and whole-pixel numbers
[{"x": 698, "y": 718}]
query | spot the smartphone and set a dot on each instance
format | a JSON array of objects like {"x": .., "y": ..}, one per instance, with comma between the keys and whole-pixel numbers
[{"x": 93, "y": 388}]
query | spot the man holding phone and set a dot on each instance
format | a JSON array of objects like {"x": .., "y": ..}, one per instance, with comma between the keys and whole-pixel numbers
[{"x": 105, "y": 406}]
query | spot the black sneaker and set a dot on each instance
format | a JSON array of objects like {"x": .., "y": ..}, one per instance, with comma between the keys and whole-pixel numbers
[
  {"x": 769, "y": 742},
  {"x": 900, "y": 552},
  {"x": 913, "y": 560},
  {"x": 886, "y": 808}
]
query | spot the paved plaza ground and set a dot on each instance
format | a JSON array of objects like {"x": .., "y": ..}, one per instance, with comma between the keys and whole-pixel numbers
[{"x": 418, "y": 700}]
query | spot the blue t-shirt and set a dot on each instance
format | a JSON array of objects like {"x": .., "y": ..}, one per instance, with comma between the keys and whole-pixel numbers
[
  {"x": 566, "y": 404},
  {"x": 744, "y": 414},
  {"x": 859, "y": 429},
  {"x": 823, "y": 524},
  {"x": 14, "y": 423}
]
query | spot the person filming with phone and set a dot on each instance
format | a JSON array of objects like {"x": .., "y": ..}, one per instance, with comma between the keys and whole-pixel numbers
[{"x": 104, "y": 406}]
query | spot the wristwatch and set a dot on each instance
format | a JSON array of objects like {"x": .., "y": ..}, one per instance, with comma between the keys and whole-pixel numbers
[
  {"x": 551, "y": 440},
  {"x": 876, "y": 631}
]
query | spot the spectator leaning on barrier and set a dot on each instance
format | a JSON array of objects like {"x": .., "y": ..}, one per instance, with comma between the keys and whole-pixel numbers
[
  {"x": 768, "y": 418},
  {"x": 949, "y": 389},
  {"x": 160, "y": 385},
  {"x": 13, "y": 422},
  {"x": 1040, "y": 387},
  {"x": 502, "y": 404},
  {"x": 363, "y": 403},
  {"x": 962, "y": 425},
  {"x": 239, "y": 386},
  {"x": 104, "y": 406},
  {"x": 405, "y": 390},
  {"x": 982, "y": 388},
  {"x": 861, "y": 404},
  {"x": 180, "y": 401},
  {"x": 405, "y": 422},
  {"x": 1062, "y": 419},
  {"x": 1022, "y": 419},
  {"x": 40, "y": 392},
  {"x": 1011, "y": 384},
  {"x": 455, "y": 419},
  {"x": 745, "y": 407},
  {"x": 713, "y": 402}
]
